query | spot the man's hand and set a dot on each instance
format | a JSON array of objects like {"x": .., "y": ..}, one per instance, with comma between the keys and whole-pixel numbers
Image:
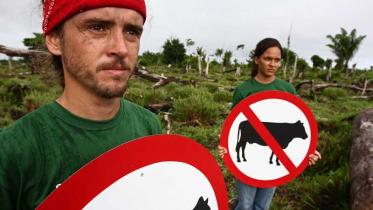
[
  {"x": 314, "y": 158},
  {"x": 222, "y": 151}
]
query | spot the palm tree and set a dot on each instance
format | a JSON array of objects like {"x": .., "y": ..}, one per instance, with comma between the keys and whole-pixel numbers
[
  {"x": 189, "y": 44},
  {"x": 240, "y": 48},
  {"x": 218, "y": 53},
  {"x": 227, "y": 59},
  {"x": 344, "y": 46},
  {"x": 317, "y": 62}
]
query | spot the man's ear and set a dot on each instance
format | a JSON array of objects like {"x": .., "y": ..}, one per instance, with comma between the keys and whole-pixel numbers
[
  {"x": 53, "y": 42},
  {"x": 256, "y": 60}
]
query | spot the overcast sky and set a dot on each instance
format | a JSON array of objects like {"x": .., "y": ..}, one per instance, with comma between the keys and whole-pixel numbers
[{"x": 225, "y": 24}]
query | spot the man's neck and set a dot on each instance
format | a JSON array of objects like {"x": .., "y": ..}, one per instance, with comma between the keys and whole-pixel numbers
[
  {"x": 263, "y": 79},
  {"x": 88, "y": 105}
]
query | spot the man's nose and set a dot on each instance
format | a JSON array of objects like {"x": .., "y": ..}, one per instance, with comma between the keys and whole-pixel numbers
[{"x": 118, "y": 44}]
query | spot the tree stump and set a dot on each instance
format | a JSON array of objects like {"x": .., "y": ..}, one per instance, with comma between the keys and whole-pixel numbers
[{"x": 361, "y": 162}]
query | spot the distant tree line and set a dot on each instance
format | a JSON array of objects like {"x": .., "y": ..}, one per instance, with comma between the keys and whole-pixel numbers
[{"x": 344, "y": 46}]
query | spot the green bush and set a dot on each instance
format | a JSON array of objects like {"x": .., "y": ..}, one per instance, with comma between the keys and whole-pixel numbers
[
  {"x": 35, "y": 99},
  {"x": 183, "y": 92},
  {"x": 15, "y": 90},
  {"x": 5, "y": 120},
  {"x": 223, "y": 96},
  {"x": 325, "y": 191},
  {"x": 207, "y": 136},
  {"x": 334, "y": 93},
  {"x": 199, "y": 107},
  {"x": 334, "y": 145},
  {"x": 212, "y": 87},
  {"x": 145, "y": 97}
]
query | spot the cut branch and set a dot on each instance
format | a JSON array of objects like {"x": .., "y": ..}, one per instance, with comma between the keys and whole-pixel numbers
[
  {"x": 326, "y": 85},
  {"x": 160, "y": 80},
  {"x": 167, "y": 118},
  {"x": 363, "y": 97},
  {"x": 365, "y": 86},
  {"x": 164, "y": 106},
  {"x": 16, "y": 52}
]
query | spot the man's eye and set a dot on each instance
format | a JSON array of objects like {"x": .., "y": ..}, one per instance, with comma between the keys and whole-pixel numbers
[
  {"x": 132, "y": 35},
  {"x": 97, "y": 28},
  {"x": 133, "y": 32}
]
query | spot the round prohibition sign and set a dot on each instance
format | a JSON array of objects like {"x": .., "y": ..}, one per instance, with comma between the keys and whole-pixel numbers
[
  {"x": 153, "y": 172},
  {"x": 247, "y": 110}
]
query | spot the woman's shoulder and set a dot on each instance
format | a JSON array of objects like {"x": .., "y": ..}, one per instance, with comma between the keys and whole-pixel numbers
[
  {"x": 288, "y": 86},
  {"x": 246, "y": 84}
]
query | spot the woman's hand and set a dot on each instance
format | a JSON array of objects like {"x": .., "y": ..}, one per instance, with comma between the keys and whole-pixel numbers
[
  {"x": 314, "y": 158},
  {"x": 222, "y": 151}
]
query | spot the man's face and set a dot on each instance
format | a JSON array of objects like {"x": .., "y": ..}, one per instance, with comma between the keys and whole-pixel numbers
[
  {"x": 99, "y": 49},
  {"x": 269, "y": 62}
]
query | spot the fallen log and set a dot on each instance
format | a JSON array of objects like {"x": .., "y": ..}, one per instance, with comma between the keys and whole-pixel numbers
[
  {"x": 164, "y": 106},
  {"x": 160, "y": 80},
  {"x": 16, "y": 52},
  {"x": 366, "y": 82},
  {"x": 363, "y": 97},
  {"x": 321, "y": 86},
  {"x": 167, "y": 118}
]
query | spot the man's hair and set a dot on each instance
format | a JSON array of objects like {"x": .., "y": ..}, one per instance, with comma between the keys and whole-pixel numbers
[
  {"x": 261, "y": 47},
  {"x": 56, "y": 59}
]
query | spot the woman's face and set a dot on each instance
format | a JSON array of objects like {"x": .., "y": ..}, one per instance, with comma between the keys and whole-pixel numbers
[{"x": 269, "y": 62}]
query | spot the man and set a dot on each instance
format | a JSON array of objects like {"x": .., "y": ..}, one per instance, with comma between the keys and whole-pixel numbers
[{"x": 96, "y": 42}]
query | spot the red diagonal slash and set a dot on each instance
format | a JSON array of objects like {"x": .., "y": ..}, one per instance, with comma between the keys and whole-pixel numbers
[{"x": 269, "y": 139}]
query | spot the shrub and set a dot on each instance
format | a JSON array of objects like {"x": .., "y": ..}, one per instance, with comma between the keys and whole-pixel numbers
[
  {"x": 15, "y": 90},
  {"x": 207, "y": 136},
  {"x": 326, "y": 191},
  {"x": 197, "y": 107},
  {"x": 334, "y": 93},
  {"x": 145, "y": 97},
  {"x": 5, "y": 120},
  {"x": 223, "y": 96},
  {"x": 35, "y": 99},
  {"x": 183, "y": 92},
  {"x": 212, "y": 87}
]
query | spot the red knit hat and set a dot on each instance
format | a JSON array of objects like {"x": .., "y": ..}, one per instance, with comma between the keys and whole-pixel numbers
[{"x": 56, "y": 11}]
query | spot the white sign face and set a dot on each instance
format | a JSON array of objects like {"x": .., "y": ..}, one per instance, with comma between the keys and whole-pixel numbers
[
  {"x": 257, "y": 164},
  {"x": 158, "y": 185}
]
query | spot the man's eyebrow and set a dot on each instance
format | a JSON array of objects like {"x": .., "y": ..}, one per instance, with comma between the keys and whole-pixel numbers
[
  {"x": 96, "y": 20},
  {"x": 136, "y": 27}
]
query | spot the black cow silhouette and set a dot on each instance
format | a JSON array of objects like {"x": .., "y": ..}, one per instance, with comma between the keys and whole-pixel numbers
[
  {"x": 202, "y": 204},
  {"x": 284, "y": 133}
]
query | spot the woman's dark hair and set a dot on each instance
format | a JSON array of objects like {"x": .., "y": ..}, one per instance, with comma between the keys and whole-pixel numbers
[{"x": 261, "y": 47}]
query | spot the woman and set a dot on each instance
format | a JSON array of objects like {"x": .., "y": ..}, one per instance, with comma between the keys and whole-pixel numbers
[{"x": 267, "y": 60}]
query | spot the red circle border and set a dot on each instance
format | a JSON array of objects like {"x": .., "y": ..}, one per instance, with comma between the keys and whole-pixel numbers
[
  {"x": 78, "y": 190},
  {"x": 271, "y": 94}
]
